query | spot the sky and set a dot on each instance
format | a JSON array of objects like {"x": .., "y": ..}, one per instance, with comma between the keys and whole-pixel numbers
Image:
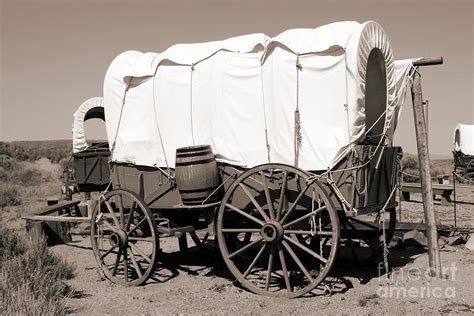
[{"x": 54, "y": 54}]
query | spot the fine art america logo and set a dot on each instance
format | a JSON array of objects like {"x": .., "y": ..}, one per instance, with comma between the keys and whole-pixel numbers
[{"x": 418, "y": 283}]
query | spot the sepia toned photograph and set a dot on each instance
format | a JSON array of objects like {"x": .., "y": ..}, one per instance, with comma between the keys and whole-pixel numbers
[{"x": 236, "y": 157}]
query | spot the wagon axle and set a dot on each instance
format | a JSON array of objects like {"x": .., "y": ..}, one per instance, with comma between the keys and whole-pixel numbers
[
  {"x": 119, "y": 239},
  {"x": 272, "y": 231}
]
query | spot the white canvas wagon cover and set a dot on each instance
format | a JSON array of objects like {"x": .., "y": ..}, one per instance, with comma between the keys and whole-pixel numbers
[
  {"x": 91, "y": 108},
  {"x": 298, "y": 98},
  {"x": 464, "y": 139}
]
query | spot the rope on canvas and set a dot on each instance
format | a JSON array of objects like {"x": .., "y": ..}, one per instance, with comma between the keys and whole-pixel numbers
[
  {"x": 159, "y": 132},
  {"x": 120, "y": 116},
  {"x": 298, "y": 137},
  {"x": 346, "y": 105},
  {"x": 264, "y": 113},
  {"x": 191, "y": 102}
]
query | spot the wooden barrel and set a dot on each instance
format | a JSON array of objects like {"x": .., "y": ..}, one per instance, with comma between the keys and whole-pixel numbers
[{"x": 197, "y": 175}]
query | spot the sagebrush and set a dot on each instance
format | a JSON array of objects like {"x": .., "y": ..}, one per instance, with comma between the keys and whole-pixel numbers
[{"x": 33, "y": 278}]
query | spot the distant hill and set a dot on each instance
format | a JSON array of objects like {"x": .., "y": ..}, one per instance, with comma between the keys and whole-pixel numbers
[
  {"x": 440, "y": 157},
  {"x": 61, "y": 143},
  {"x": 432, "y": 156}
]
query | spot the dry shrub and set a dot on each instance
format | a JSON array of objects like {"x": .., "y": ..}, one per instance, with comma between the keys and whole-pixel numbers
[
  {"x": 411, "y": 171},
  {"x": 409, "y": 162},
  {"x": 9, "y": 195},
  {"x": 33, "y": 278},
  {"x": 26, "y": 177},
  {"x": 7, "y": 162}
]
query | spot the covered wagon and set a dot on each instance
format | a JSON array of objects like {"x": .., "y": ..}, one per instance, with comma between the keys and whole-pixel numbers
[
  {"x": 464, "y": 152},
  {"x": 278, "y": 147}
]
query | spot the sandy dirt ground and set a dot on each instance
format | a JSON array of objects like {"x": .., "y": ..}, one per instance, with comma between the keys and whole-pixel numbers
[{"x": 199, "y": 283}]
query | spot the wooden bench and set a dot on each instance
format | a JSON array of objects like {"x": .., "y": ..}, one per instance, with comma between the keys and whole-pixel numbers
[{"x": 443, "y": 190}]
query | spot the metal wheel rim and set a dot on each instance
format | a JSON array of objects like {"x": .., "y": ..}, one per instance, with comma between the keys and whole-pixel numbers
[
  {"x": 288, "y": 291},
  {"x": 141, "y": 219}
]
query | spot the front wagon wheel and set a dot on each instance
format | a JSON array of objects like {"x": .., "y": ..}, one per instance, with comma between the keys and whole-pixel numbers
[
  {"x": 260, "y": 225},
  {"x": 124, "y": 238}
]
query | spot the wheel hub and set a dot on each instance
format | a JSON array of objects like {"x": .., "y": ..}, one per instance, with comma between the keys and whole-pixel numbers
[
  {"x": 272, "y": 231},
  {"x": 119, "y": 239}
]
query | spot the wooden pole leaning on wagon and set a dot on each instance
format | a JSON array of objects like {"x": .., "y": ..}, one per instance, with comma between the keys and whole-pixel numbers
[{"x": 424, "y": 164}]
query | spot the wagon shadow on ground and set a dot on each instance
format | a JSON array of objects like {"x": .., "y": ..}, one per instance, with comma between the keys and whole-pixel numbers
[
  {"x": 397, "y": 258},
  {"x": 209, "y": 263}
]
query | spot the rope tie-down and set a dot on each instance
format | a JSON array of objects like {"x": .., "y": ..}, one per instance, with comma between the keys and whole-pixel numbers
[
  {"x": 298, "y": 136},
  {"x": 267, "y": 142}
]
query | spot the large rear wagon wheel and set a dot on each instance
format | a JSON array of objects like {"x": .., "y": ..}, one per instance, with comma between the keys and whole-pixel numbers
[
  {"x": 124, "y": 237},
  {"x": 260, "y": 222}
]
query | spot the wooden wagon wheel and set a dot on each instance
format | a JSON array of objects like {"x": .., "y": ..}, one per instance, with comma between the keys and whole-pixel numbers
[
  {"x": 124, "y": 237},
  {"x": 363, "y": 235},
  {"x": 267, "y": 207}
]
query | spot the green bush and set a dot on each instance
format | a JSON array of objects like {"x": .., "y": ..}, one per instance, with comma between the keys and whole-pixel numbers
[{"x": 33, "y": 278}]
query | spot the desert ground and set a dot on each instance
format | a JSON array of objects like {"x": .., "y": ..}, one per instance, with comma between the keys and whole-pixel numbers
[{"x": 199, "y": 283}]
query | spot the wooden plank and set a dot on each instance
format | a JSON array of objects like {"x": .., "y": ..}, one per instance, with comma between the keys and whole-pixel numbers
[
  {"x": 427, "y": 61},
  {"x": 64, "y": 219},
  {"x": 54, "y": 208},
  {"x": 444, "y": 190},
  {"x": 434, "y": 186},
  {"x": 425, "y": 175},
  {"x": 55, "y": 232}
]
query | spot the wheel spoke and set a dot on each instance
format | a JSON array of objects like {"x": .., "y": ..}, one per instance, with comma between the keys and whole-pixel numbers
[
  {"x": 304, "y": 217},
  {"x": 244, "y": 248},
  {"x": 117, "y": 260},
  {"x": 306, "y": 249},
  {"x": 125, "y": 264},
  {"x": 121, "y": 209},
  {"x": 257, "y": 257},
  {"x": 109, "y": 226},
  {"x": 270, "y": 268},
  {"x": 140, "y": 252},
  {"x": 255, "y": 203},
  {"x": 325, "y": 242},
  {"x": 252, "y": 218},
  {"x": 130, "y": 216},
  {"x": 135, "y": 264},
  {"x": 297, "y": 260},
  {"x": 283, "y": 267},
  {"x": 106, "y": 253},
  {"x": 282, "y": 195},
  {"x": 146, "y": 239},
  {"x": 136, "y": 226},
  {"x": 293, "y": 206},
  {"x": 112, "y": 213},
  {"x": 240, "y": 230},
  {"x": 267, "y": 195}
]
